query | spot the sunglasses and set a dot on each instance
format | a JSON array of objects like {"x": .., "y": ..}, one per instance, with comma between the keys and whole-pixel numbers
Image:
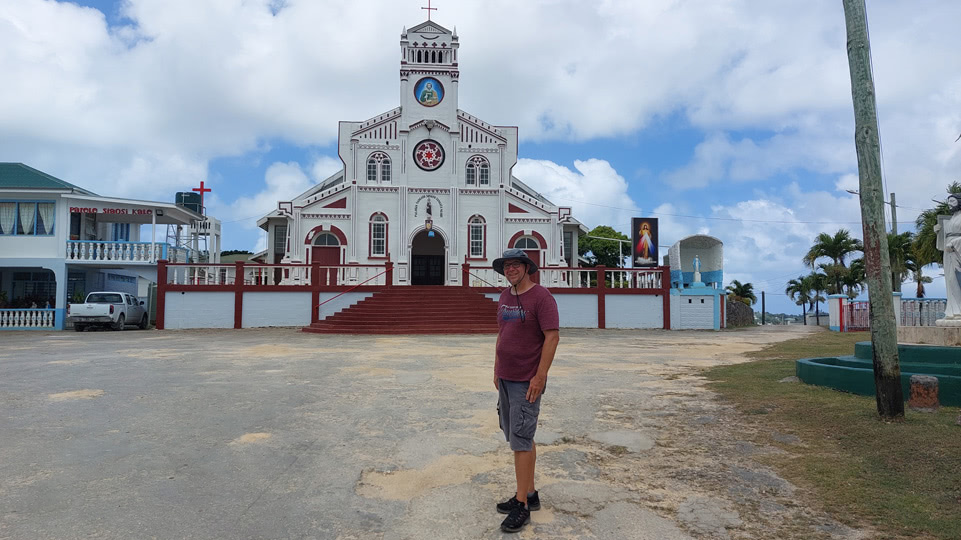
[{"x": 513, "y": 265}]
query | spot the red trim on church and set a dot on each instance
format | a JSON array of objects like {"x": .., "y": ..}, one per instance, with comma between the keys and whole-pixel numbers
[
  {"x": 342, "y": 203},
  {"x": 514, "y": 209},
  {"x": 341, "y": 237}
]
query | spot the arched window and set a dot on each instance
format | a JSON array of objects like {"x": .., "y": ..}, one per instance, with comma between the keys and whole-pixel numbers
[
  {"x": 478, "y": 171},
  {"x": 378, "y": 168},
  {"x": 526, "y": 242},
  {"x": 378, "y": 235},
  {"x": 476, "y": 230},
  {"x": 418, "y": 57},
  {"x": 326, "y": 239}
]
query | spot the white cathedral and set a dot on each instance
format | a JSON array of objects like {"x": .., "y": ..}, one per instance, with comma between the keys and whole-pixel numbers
[{"x": 426, "y": 186}]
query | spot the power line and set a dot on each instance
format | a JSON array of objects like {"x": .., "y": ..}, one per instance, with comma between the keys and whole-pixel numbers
[{"x": 723, "y": 219}]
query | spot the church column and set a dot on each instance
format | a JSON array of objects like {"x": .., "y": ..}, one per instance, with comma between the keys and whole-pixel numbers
[
  {"x": 555, "y": 243},
  {"x": 352, "y": 241},
  {"x": 454, "y": 227},
  {"x": 501, "y": 226}
]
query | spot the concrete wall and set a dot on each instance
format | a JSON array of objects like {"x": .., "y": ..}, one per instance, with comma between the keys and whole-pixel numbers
[
  {"x": 276, "y": 309},
  {"x": 634, "y": 311},
  {"x": 577, "y": 310},
  {"x": 199, "y": 310}
]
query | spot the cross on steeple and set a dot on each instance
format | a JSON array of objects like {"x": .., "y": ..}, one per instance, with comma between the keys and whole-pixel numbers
[{"x": 429, "y": 9}]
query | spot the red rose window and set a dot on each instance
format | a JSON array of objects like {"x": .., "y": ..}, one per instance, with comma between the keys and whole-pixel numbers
[{"x": 429, "y": 155}]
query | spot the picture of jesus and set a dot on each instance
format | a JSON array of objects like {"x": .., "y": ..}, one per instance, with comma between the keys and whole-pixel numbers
[{"x": 644, "y": 241}]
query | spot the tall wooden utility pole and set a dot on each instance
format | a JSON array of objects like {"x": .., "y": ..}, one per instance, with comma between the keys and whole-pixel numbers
[{"x": 884, "y": 330}]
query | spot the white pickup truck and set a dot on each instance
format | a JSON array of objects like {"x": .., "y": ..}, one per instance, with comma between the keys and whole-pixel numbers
[{"x": 113, "y": 309}]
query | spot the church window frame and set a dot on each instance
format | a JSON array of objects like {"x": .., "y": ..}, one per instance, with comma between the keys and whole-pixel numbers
[
  {"x": 378, "y": 231},
  {"x": 478, "y": 171},
  {"x": 326, "y": 239},
  {"x": 378, "y": 168},
  {"x": 477, "y": 238},
  {"x": 527, "y": 242}
]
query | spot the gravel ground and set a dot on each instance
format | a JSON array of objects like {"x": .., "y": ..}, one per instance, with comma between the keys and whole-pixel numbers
[{"x": 273, "y": 433}]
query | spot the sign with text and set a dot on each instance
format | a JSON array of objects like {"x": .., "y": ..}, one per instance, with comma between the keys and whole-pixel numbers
[
  {"x": 111, "y": 211},
  {"x": 644, "y": 242}
]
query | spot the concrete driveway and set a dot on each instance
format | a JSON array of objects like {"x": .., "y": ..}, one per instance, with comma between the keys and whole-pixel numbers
[{"x": 273, "y": 433}]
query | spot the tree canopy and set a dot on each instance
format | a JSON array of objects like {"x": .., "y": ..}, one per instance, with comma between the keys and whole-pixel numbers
[
  {"x": 742, "y": 292},
  {"x": 604, "y": 252}
]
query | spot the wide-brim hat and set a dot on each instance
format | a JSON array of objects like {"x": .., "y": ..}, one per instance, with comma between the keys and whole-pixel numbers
[{"x": 517, "y": 254}]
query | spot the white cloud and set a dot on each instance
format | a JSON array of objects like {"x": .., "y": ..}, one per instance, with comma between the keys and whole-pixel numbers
[
  {"x": 283, "y": 181},
  {"x": 596, "y": 193},
  {"x": 201, "y": 80}
]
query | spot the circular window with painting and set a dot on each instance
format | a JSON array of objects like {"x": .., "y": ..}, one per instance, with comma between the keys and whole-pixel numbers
[
  {"x": 429, "y": 155},
  {"x": 429, "y": 92}
]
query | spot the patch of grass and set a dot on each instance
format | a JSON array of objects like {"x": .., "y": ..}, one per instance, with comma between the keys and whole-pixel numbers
[
  {"x": 617, "y": 450},
  {"x": 901, "y": 478}
]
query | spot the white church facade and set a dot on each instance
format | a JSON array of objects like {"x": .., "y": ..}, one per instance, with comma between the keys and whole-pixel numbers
[{"x": 426, "y": 186}]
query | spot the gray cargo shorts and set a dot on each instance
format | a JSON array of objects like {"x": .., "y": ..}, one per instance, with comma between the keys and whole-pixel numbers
[{"x": 518, "y": 417}]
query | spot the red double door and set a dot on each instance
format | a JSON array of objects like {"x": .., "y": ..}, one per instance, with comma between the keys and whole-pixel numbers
[
  {"x": 534, "y": 255},
  {"x": 324, "y": 256}
]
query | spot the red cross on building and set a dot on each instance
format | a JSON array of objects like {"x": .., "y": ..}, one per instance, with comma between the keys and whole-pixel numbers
[
  {"x": 202, "y": 190},
  {"x": 429, "y": 9}
]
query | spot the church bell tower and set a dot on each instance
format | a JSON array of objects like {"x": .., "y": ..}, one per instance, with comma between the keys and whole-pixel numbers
[{"x": 429, "y": 75}]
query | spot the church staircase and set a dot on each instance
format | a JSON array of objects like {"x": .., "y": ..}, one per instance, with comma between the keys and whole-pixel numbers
[{"x": 415, "y": 310}]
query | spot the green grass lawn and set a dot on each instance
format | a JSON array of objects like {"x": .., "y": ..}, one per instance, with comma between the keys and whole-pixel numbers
[{"x": 901, "y": 478}]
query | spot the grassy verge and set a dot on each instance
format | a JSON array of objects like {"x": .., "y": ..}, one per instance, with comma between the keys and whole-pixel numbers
[{"x": 901, "y": 478}]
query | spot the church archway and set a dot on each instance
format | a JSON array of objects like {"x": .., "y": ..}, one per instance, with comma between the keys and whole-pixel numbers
[{"x": 428, "y": 256}]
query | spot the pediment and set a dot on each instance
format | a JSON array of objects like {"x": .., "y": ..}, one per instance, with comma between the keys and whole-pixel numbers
[
  {"x": 518, "y": 207},
  {"x": 428, "y": 27}
]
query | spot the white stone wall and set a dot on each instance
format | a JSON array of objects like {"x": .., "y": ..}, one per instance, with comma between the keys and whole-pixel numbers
[
  {"x": 577, "y": 310},
  {"x": 634, "y": 311},
  {"x": 199, "y": 310},
  {"x": 276, "y": 309}
]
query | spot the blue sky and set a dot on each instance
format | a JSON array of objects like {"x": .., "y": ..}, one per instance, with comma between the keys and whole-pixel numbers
[{"x": 728, "y": 117}]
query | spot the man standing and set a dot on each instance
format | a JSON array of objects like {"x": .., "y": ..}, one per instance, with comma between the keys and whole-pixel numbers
[{"x": 527, "y": 338}]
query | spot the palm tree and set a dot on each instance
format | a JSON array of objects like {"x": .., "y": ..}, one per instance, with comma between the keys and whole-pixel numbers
[
  {"x": 917, "y": 275},
  {"x": 742, "y": 292},
  {"x": 925, "y": 241},
  {"x": 816, "y": 283},
  {"x": 797, "y": 292},
  {"x": 855, "y": 277},
  {"x": 836, "y": 248},
  {"x": 900, "y": 250}
]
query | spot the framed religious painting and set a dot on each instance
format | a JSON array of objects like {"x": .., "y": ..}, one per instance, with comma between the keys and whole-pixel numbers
[
  {"x": 429, "y": 92},
  {"x": 644, "y": 242}
]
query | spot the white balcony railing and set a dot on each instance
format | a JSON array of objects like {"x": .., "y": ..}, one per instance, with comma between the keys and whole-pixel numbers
[
  {"x": 274, "y": 274},
  {"x": 124, "y": 252},
  {"x": 22, "y": 319},
  {"x": 575, "y": 278}
]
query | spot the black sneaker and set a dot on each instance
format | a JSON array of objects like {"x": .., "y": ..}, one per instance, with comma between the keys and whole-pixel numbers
[
  {"x": 533, "y": 504},
  {"x": 516, "y": 520}
]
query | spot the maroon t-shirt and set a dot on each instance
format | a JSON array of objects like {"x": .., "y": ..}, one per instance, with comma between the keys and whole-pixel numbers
[{"x": 520, "y": 340}]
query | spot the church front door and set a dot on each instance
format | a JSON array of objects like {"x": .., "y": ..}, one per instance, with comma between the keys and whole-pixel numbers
[{"x": 427, "y": 259}]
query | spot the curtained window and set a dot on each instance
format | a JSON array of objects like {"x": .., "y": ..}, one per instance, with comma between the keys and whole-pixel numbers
[
  {"x": 8, "y": 217},
  {"x": 27, "y": 218}
]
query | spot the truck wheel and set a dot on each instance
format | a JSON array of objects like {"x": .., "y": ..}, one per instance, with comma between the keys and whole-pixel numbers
[
  {"x": 120, "y": 323},
  {"x": 143, "y": 322},
  {"x": 79, "y": 327}
]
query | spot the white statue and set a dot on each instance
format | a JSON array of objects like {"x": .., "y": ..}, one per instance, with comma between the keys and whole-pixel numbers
[
  {"x": 949, "y": 241},
  {"x": 697, "y": 269}
]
